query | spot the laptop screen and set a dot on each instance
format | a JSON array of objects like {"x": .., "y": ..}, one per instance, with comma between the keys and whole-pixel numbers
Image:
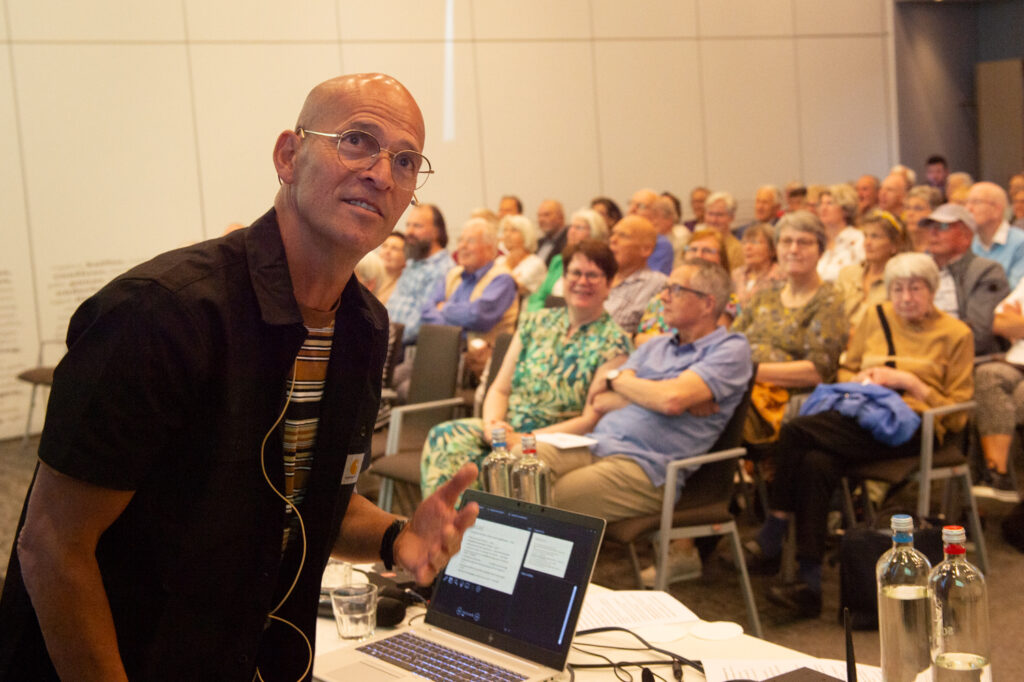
[{"x": 518, "y": 582}]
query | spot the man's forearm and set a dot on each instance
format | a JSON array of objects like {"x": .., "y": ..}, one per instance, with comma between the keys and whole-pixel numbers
[{"x": 362, "y": 531}]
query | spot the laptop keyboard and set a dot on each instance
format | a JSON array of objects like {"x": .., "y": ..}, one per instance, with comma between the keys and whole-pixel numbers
[{"x": 435, "y": 661}]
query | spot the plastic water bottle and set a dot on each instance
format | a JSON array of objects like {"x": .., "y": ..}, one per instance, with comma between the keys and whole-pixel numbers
[
  {"x": 531, "y": 477},
  {"x": 903, "y": 606},
  {"x": 496, "y": 467},
  {"x": 960, "y": 641}
]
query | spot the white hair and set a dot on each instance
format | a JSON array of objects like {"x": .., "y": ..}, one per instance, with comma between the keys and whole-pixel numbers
[{"x": 522, "y": 225}]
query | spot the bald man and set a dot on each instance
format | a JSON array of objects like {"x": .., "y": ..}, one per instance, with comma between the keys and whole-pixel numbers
[
  {"x": 893, "y": 192},
  {"x": 207, "y": 426},
  {"x": 662, "y": 215},
  {"x": 634, "y": 285},
  {"x": 995, "y": 239},
  {"x": 551, "y": 221}
]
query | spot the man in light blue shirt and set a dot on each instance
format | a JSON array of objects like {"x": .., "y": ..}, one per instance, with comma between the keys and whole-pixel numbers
[
  {"x": 428, "y": 263},
  {"x": 995, "y": 239}
]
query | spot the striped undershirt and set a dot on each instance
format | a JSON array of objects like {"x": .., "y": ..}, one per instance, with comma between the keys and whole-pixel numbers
[{"x": 303, "y": 413}]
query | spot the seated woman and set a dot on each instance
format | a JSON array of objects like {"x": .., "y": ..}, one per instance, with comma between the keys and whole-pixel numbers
[
  {"x": 861, "y": 283},
  {"x": 920, "y": 202},
  {"x": 796, "y": 331},
  {"x": 931, "y": 366},
  {"x": 392, "y": 256},
  {"x": 519, "y": 237},
  {"x": 760, "y": 269},
  {"x": 837, "y": 207},
  {"x": 586, "y": 223},
  {"x": 706, "y": 244},
  {"x": 546, "y": 374}
]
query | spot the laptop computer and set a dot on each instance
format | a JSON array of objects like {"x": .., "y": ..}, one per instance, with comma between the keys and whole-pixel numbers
[{"x": 510, "y": 598}]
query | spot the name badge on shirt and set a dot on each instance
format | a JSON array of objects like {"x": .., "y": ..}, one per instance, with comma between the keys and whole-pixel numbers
[{"x": 353, "y": 465}]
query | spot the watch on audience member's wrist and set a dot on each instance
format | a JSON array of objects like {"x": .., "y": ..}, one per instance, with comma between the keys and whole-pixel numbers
[{"x": 611, "y": 376}]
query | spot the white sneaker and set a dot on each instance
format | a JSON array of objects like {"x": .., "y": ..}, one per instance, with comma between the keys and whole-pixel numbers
[{"x": 682, "y": 565}]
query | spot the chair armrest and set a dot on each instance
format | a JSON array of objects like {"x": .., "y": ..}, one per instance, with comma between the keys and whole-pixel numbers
[
  {"x": 668, "y": 502},
  {"x": 929, "y": 415},
  {"x": 398, "y": 413}
]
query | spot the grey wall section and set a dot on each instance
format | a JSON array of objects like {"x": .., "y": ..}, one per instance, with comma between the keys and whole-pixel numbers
[
  {"x": 935, "y": 54},
  {"x": 1000, "y": 30}
]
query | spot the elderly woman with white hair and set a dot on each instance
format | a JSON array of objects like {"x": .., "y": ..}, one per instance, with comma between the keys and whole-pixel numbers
[
  {"x": 585, "y": 223},
  {"x": 719, "y": 212},
  {"x": 837, "y": 209},
  {"x": 519, "y": 237},
  {"x": 926, "y": 359}
]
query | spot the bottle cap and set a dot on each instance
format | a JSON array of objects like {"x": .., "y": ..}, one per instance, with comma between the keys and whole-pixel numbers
[
  {"x": 902, "y": 523},
  {"x": 498, "y": 434},
  {"x": 529, "y": 442},
  {"x": 954, "y": 535}
]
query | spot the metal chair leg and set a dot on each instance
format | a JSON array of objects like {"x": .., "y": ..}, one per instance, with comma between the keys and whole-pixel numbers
[{"x": 748, "y": 592}]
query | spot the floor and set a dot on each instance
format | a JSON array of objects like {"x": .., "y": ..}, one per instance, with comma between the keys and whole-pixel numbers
[{"x": 714, "y": 596}]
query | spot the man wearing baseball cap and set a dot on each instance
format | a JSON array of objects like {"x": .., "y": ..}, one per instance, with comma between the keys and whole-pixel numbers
[{"x": 970, "y": 286}]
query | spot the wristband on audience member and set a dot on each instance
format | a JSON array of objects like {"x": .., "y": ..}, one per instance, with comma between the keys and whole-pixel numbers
[{"x": 387, "y": 543}]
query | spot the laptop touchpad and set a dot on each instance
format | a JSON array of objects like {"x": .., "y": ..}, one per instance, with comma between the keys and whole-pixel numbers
[{"x": 364, "y": 671}]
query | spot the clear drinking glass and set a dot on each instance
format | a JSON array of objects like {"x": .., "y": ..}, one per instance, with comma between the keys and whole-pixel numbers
[{"x": 355, "y": 610}]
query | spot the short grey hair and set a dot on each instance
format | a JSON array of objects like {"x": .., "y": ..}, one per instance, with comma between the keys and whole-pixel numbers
[
  {"x": 846, "y": 196},
  {"x": 803, "y": 221},
  {"x": 730, "y": 202},
  {"x": 711, "y": 279},
  {"x": 524, "y": 226},
  {"x": 930, "y": 194},
  {"x": 912, "y": 265},
  {"x": 598, "y": 225},
  {"x": 776, "y": 192},
  {"x": 489, "y": 230},
  {"x": 667, "y": 208}
]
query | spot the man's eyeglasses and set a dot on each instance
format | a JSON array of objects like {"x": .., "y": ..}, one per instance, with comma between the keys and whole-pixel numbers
[
  {"x": 674, "y": 290},
  {"x": 358, "y": 151},
  {"x": 592, "y": 276}
]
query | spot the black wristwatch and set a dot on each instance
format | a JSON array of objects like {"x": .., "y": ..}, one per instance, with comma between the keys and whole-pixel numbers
[
  {"x": 611, "y": 376},
  {"x": 387, "y": 543}
]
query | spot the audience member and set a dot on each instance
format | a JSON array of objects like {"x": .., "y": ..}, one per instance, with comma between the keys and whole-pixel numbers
[
  {"x": 867, "y": 187},
  {"x": 510, "y": 205},
  {"x": 767, "y": 204},
  {"x": 545, "y": 375},
  {"x": 663, "y": 218},
  {"x": 837, "y": 209},
  {"x": 151, "y": 546},
  {"x": 861, "y": 284},
  {"x": 632, "y": 242},
  {"x": 936, "y": 170},
  {"x": 519, "y": 237},
  {"x": 1015, "y": 184},
  {"x": 993, "y": 238},
  {"x": 642, "y": 203},
  {"x": 428, "y": 263},
  {"x": 586, "y": 223},
  {"x": 608, "y": 209},
  {"x": 813, "y": 198},
  {"x": 760, "y": 269},
  {"x": 958, "y": 184},
  {"x": 796, "y": 196},
  {"x": 677, "y": 204},
  {"x": 698, "y": 197},
  {"x": 370, "y": 271},
  {"x": 892, "y": 193},
  {"x": 640, "y": 414},
  {"x": 719, "y": 212},
  {"x": 706, "y": 244},
  {"x": 551, "y": 219},
  {"x": 1017, "y": 201},
  {"x": 797, "y": 331},
  {"x": 908, "y": 174},
  {"x": 933, "y": 361},
  {"x": 921, "y": 200},
  {"x": 392, "y": 256},
  {"x": 970, "y": 287}
]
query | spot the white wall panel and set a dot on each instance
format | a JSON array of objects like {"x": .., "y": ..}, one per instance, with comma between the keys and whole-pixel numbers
[
  {"x": 531, "y": 19},
  {"x": 245, "y": 95},
  {"x": 538, "y": 124},
  {"x": 843, "y": 108},
  {"x": 650, "y": 120},
  {"x": 645, "y": 19},
  {"x": 449, "y": 114},
  {"x": 110, "y": 160},
  {"x": 736, "y": 18},
  {"x": 399, "y": 20},
  {"x": 261, "y": 20},
  {"x": 839, "y": 16},
  {"x": 750, "y": 100},
  {"x": 112, "y": 20}
]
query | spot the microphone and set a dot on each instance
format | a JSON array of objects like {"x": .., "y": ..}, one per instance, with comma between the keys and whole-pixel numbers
[{"x": 390, "y": 612}]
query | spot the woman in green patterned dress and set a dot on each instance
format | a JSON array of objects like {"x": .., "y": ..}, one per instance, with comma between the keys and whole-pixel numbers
[{"x": 546, "y": 374}]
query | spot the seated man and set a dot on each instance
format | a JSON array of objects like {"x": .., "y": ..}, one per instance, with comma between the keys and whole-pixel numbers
[
  {"x": 993, "y": 237},
  {"x": 478, "y": 295},
  {"x": 632, "y": 242},
  {"x": 640, "y": 415}
]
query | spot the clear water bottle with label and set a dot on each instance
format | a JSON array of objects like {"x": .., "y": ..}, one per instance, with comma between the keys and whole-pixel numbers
[
  {"x": 960, "y": 636},
  {"x": 496, "y": 467},
  {"x": 531, "y": 477},
  {"x": 904, "y": 616}
]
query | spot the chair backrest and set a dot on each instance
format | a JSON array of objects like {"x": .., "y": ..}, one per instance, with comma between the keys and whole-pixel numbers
[
  {"x": 553, "y": 301},
  {"x": 395, "y": 348},
  {"x": 435, "y": 368},
  {"x": 714, "y": 481},
  {"x": 501, "y": 344}
]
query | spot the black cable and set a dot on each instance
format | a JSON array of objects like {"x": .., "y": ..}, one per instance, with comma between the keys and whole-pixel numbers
[
  {"x": 696, "y": 665},
  {"x": 609, "y": 663}
]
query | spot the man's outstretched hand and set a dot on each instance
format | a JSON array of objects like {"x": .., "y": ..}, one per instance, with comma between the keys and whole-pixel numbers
[{"x": 434, "y": 533}]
